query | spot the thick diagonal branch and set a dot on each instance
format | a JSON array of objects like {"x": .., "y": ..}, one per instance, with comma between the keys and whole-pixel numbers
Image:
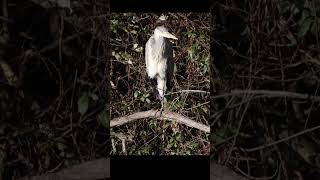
[{"x": 157, "y": 114}]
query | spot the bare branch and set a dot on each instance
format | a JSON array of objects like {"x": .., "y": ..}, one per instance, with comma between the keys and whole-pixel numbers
[
  {"x": 189, "y": 91},
  {"x": 157, "y": 114}
]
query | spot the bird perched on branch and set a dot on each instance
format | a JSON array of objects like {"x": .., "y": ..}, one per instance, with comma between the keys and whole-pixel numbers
[{"x": 159, "y": 59}]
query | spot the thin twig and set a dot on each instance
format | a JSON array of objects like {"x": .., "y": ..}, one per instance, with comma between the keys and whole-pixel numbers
[
  {"x": 157, "y": 114},
  {"x": 198, "y": 106},
  {"x": 194, "y": 91},
  {"x": 72, "y": 96},
  {"x": 55, "y": 44},
  {"x": 6, "y": 19},
  {"x": 281, "y": 140},
  {"x": 238, "y": 131},
  {"x": 268, "y": 93},
  {"x": 113, "y": 146},
  {"x": 124, "y": 150},
  {"x": 257, "y": 178}
]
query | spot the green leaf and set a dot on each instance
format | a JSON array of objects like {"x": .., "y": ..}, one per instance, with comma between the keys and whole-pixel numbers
[
  {"x": 314, "y": 27},
  {"x": 148, "y": 100},
  {"x": 103, "y": 119},
  {"x": 83, "y": 103},
  {"x": 35, "y": 106},
  {"x": 117, "y": 56},
  {"x": 114, "y": 25},
  {"x": 61, "y": 146},
  {"x": 216, "y": 138},
  {"x": 93, "y": 96},
  {"x": 139, "y": 49},
  {"x": 136, "y": 93},
  {"x": 292, "y": 38},
  {"x": 179, "y": 137},
  {"x": 305, "y": 26},
  {"x": 304, "y": 16},
  {"x": 190, "y": 53},
  {"x": 69, "y": 155}
]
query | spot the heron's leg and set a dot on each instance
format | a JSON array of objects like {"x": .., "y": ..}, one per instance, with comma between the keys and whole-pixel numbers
[
  {"x": 161, "y": 86},
  {"x": 162, "y": 89},
  {"x": 162, "y": 105}
]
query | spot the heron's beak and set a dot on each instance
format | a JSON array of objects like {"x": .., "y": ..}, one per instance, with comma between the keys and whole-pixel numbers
[{"x": 168, "y": 35}]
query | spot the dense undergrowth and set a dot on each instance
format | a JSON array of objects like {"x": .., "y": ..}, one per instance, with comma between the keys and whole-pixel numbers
[
  {"x": 271, "y": 46},
  {"x": 53, "y": 87}
]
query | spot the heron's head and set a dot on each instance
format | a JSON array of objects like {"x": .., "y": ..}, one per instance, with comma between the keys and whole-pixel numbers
[{"x": 161, "y": 31}]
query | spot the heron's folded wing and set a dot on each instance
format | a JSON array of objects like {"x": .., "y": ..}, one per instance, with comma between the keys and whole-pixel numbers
[
  {"x": 147, "y": 49},
  {"x": 151, "y": 64}
]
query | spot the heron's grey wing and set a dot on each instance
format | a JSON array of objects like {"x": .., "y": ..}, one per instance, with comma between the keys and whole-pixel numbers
[{"x": 170, "y": 63}]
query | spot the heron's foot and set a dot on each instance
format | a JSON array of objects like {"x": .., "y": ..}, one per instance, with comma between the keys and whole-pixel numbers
[
  {"x": 163, "y": 103},
  {"x": 161, "y": 110}
]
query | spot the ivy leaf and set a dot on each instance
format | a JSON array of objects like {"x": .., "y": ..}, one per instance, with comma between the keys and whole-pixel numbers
[
  {"x": 305, "y": 26},
  {"x": 83, "y": 103},
  {"x": 136, "y": 93},
  {"x": 104, "y": 119}
]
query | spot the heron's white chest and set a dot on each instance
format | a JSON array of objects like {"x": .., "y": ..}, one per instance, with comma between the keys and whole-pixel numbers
[
  {"x": 157, "y": 67},
  {"x": 155, "y": 62},
  {"x": 162, "y": 67}
]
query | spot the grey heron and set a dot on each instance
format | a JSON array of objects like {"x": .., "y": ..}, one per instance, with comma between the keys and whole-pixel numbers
[{"x": 159, "y": 59}]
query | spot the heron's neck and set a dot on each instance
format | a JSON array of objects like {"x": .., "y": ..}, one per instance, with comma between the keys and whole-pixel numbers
[
  {"x": 159, "y": 41},
  {"x": 158, "y": 38}
]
